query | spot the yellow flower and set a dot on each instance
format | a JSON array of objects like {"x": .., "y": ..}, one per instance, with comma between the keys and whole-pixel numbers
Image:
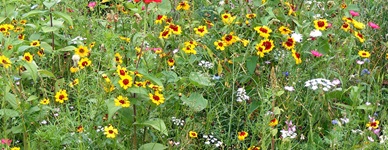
[
  {"x": 264, "y": 31},
  {"x": 201, "y": 30},
  {"x": 61, "y": 96},
  {"x": 91, "y": 45},
  {"x": 170, "y": 62},
  {"x": 4, "y": 60},
  {"x": 156, "y": 98},
  {"x": 21, "y": 36},
  {"x": 122, "y": 71},
  {"x": 84, "y": 62},
  {"x": 289, "y": 44},
  {"x": 126, "y": 39},
  {"x": 82, "y": 51},
  {"x": 35, "y": 43},
  {"x": 160, "y": 19},
  {"x": 345, "y": 26},
  {"x": 229, "y": 39},
  {"x": 250, "y": 16},
  {"x": 193, "y": 134},
  {"x": 227, "y": 18},
  {"x": 175, "y": 29},
  {"x": 245, "y": 42},
  {"x": 118, "y": 58},
  {"x": 183, "y": 5},
  {"x": 242, "y": 135},
  {"x": 109, "y": 88},
  {"x": 359, "y": 36},
  {"x": 106, "y": 78},
  {"x": 125, "y": 82},
  {"x": 165, "y": 34},
  {"x": 320, "y": 24},
  {"x": 155, "y": 87},
  {"x": 260, "y": 50},
  {"x": 73, "y": 69},
  {"x": 40, "y": 52},
  {"x": 363, "y": 54},
  {"x": 297, "y": 58},
  {"x": 220, "y": 45},
  {"x": 386, "y": 56},
  {"x": 373, "y": 124},
  {"x": 254, "y": 148},
  {"x": 45, "y": 101},
  {"x": 291, "y": 10},
  {"x": 80, "y": 129},
  {"x": 267, "y": 44},
  {"x": 28, "y": 57},
  {"x": 284, "y": 30},
  {"x": 23, "y": 22},
  {"x": 140, "y": 84},
  {"x": 122, "y": 101},
  {"x": 189, "y": 49},
  {"x": 358, "y": 25},
  {"x": 191, "y": 43},
  {"x": 15, "y": 148},
  {"x": 74, "y": 82},
  {"x": 273, "y": 122},
  {"x": 110, "y": 132}
]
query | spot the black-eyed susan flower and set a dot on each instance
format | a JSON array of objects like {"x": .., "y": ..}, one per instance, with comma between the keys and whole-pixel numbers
[
  {"x": 19, "y": 29},
  {"x": 28, "y": 57},
  {"x": 15, "y": 148},
  {"x": 140, "y": 84},
  {"x": 363, "y": 54},
  {"x": 268, "y": 45},
  {"x": 155, "y": 87},
  {"x": 189, "y": 49},
  {"x": 193, "y": 134},
  {"x": 201, "y": 31},
  {"x": 175, "y": 29},
  {"x": 227, "y": 18},
  {"x": 80, "y": 129},
  {"x": 358, "y": 25},
  {"x": 156, "y": 98},
  {"x": 347, "y": 19},
  {"x": 110, "y": 131},
  {"x": 264, "y": 31},
  {"x": 284, "y": 30},
  {"x": 260, "y": 50},
  {"x": 82, "y": 51},
  {"x": 35, "y": 43},
  {"x": 23, "y": 22},
  {"x": 122, "y": 71},
  {"x": 165, "y": 34},
  {"x": 118, "y": 58},
  {"x": 209, "y": 23},
  {"x": 220, "y": 45},
  {"x": 242, "y": 135},
  {"x": 254, "y": 148},
  {"x": 291, "y": 9},
  {"x": 289, "y": 44},
  {"x": 61, "y": 96},
  {"x": 229, "y": 39},
  {"x": 250, "y": 16},
  {"x": 183, "y": 6},
  {"x": 44, "y": 101},
  {"x": 74, "y": 83},
  {"x": 273, "y": 122},
  {"x": 84, "y": 62},
  {"x": 5, "y": 62},
  {"x": 170, "y": 62},
  {"x": 373, "y": 124},
  {"x": 343, "y": 5},
  {"x": 297, "y": 58},
  {"x": 359, "y": 36},
  {"x": 192, "y": 43},
  {"x": 345, "y": 26},
  {"x": 40, "y": 52},
  {"x": 21, "y": 36},
  {"x": 160, "y": 19},
  {"x": 91, "y": 45},
  {"x": 320, "y": 24},
  {"x": 73, "y": 69},
  {"x": 122, "y": 101},
  {"x": 125, "y": 81}
]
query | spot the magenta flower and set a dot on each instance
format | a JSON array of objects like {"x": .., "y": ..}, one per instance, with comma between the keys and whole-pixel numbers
[
  {"x": 6, "y": 141},
  {"x": 92, "y": 4},
  {"x": 316, "y": 53},
  {"x": 353, "y": 13},
  {"x": 373, "y": 25}
]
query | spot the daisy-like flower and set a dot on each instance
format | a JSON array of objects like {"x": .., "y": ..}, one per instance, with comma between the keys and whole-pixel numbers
[
  {"x": 73, "y": 69},
  {"x": 292, "y": 9},
  {"x": 297, "y": 37},
  {"x": 289, "y": 44},
  {"x": 5, "y": 62},
  {"x": 118, "y": 58},
  {"x": 84, "y": 62},
  {"x": 315, "y": 33},
  {"x": 156, "y": 98},
  {"x": 193, "y": 134},
  {"x": 345, "y": 26},
  {"x": 160, "y": 19},
  {"x": 373, "y": 124},
  {"x": 125, "y": 82},
  {"x": 91, "y": 45},
  {"x": 273, "y": 122},
  {"x": 220, "y": 45},
  {"x": 189, "y": 49},
  {"x": 316, "y": 53},
  {"x": 140, "y": 84},
  {"x": 44, "y": 101},
  {"x": 267, "y": 44},
  {"x": 122, "y": 101},
  {"x": 61, "y": 96},
  {"x": 23, "y": 22},
  {"x": 28, "y": 57},
  {"x": 81, "y": 51},
  {"x": 183, "y": 6},
  {"x": 242, "y": 135},
  {"x": 343, "y": 5},
  {"x": 40, "y": 52},
  {"x": 254, "y": 148},
  {"x": 192, "y": 43},
  {"x": 373, "y": 25},
  {"x": 126, "y": 39},
  {"x": 201, "y": 30},
  {"x": 175, "y": 29},
  {"x": 347, "y": 19},
  {"x": 80, "y": 129},
  {"x": 171, "y": 62},
  {"x": 74, "y": 83},
  {"x": 358, "y": 25},
  {"x": 165, "y": 34},
  {"x": 264, "y": 31},
  {"x": 363, "y": 54},
  {"x": 260, "y": 50},
  {"x": 284, "y": 30},
  {"x": 359, "y": 36},
  {"x": 320, "y": 24},
  {"x": 296, "y": 56},
  {"x": 244, "y": 42},
  {"x": 21, "y": 36},
  {"x": 15, "y": 148},
  {"x": 110, "y": 131},
  {"x": 250, "y": 16},
  {"x": 230, "y": 39},
  {"x": 35, "y": 43},
  {"x": 227, "y": 18}
]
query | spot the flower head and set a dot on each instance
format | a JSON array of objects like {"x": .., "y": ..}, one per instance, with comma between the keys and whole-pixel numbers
[
  {"x": 220, "y": 45},
  {"x": 201, "y": 31},
  {"x": 125, "y": 82},
  {"x": 183, "y": 6},
  {"x": 353, "y": 13},
  {"x": 345, "y": 26},
  {"x": 359, "y": 36},
  {"x": 284, "y": 30},
  {"x": 122, "y": 101},
  {"x": 363, "y": 54},
  {"x": 157, "y": 98},
  {"x": 316, "y": 53},
  {"x": 242, "y": 135},
  {"x": 264, "y": 31},
  {"x": 35, "y": 43},
  {"x": 44, "y": 101},
  {"x": 373, "y": 25},
  {"x": 82, "y": 51},
  {"x": 28, "y": 57},
  {"x": 273, "y": 122},
  {"x": 289, "y": 44},
  {"x": 193, "y": 134},
  {"x": 227, "y": 18},
  {"x": 110, "y": 131},
  {"x": 84, "y": 62},
  {"x": 5, "y": 62},
  {"x": 61, "y": 96},
  {"x": 320, "y": 24}
]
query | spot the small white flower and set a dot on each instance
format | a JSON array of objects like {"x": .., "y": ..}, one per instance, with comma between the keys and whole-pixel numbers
[
  {"x": 314, "y": 87},
  {"x": 44, "y": 122},
  {"x": 336, "y": 82},
  {"x": 317, "y": 16},
  {"x": 367, "y": 103},
  {"x": 315, "y": 33},
  {"x": 370, "y": 139},
  {"x": 289, "y": 88},
  {"x": 344, "y": 120}
]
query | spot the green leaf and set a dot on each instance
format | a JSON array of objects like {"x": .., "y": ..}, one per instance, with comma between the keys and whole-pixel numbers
[
  {"x": 45, "y": 73},
  {"x": 11, "y": 99},
  {"x": 195, "y": 101},
  {"x": 47, "y": 48},
  {"x": 151, "y": 78},
  {"x": 32, "y": 97},
  {"x": 21, "y": 49},
  {"x": 279, "y": 93},
  {"x": 253, "y": 106},
  {"x": 32, "y": 70},
  {"x": 59, "y": 84},
  {"x": 199, "y": 79},
  {"x": 251, "y": 64},
  {"x": 274, "y": 132},
  {"x": 66, "y": 49},
  {"x": 153, "y": 146},
  {"x": 344, "y": 106},
  {"x": 46, "y": 29},
  {"x": 112, "y": 109},
  {"x": 164, "y": 7},
  {"x": 64, "y": 16},
  {"x": 8, "y": 113},
  {"x": 170, "y": 76},
  {"x": 2, "y": 19},
  {"x": 277, "y": 111},
  {"x": 33, "y": 13},
  {"x": 16, "y": 129},
  {"x": 157, "y": 124},
  {"x": 365, "y": 107},
  {"x": 50, "y": 3}
]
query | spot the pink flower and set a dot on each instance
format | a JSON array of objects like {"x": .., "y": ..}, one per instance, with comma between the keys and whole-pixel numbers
[
  {"x": 6, "y": 141},
  {"x": 353, "y": 13},
  {"x": 316, "y": 53},
  {"x": 373, "y": 25},
  {"x": 329, "y": 25},
  {"x": 92, "y": 4}
]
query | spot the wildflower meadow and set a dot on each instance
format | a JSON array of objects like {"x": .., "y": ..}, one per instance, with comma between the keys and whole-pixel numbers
[{"x": 193, "y": 74}]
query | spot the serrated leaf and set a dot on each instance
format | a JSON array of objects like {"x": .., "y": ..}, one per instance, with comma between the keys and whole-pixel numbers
[
  {"x": 64, "y": 16},
  {"x": 112, "y": 109},
  {"x": 195, "y": 101},
  {"x": 153, "y": 146},
  {"x": 157, "y": 124},
  {"x": 199, "y": 79}
]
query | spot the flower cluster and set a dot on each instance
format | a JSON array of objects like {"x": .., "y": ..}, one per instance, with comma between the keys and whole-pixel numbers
[
  {"x": 289, "y": 130},
  {"x": 325, "y": 84},
  {"x": 205, "y": 64},
  {"x": 210, "y": 139},
  {"x": 178, "y": 122},
  {"x": 241, "y": 95}
]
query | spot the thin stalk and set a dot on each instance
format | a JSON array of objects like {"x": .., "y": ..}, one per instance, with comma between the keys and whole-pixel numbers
[{"x": 52, "y": 33}]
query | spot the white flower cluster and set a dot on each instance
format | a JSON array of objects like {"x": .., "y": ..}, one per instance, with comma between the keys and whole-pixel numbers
[
  {"x": 205, "y": 64},
  {"x": 325, "y": 84},
  {"x": 289, "y": 131},
  {"x": 210, "y": 139},
  {"x": 297, "y": 37},
  {"x": 315, "y": 33},
  {"x": 178, "y": 122},
  {"x": 77, "y": 40},
  {"x": 242, "y": 95}
]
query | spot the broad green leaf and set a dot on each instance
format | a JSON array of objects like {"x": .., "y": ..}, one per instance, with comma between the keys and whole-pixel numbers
[
  {"x": 64, "y": 16},
  {"x": 164, "y": 7},
  {"x": 253, "y": 106},
  {"x": 112, "y": 109},
  {"x": 274, "y": 132},
  {"x": 32, "y": 97},
  {"x": 45, "y": 73},
  {"x": 199, "y": 79},
  {"x": 46, "y": 29},
  {"x": 277, "y": 111},
  {"x": 153, "y": 146},
  {"x": 279, "y": 93},
  {"x": 32, "y": 70},
  {"x": 153, "y": 79},
  {"x": 50, "y": 3},
  {"x": 2, "y": 19},
  {"x": 23, "y": 48},
  {"x": 170, "y": 76},
  {"x": 47, "y": 47},
  {"x": 195, "y": 101},
  {"x": 8, "y": 113},
  {"x": 251, "y": 64},
  {"x": 11, "y": 99},
  {"x": 66, "y": 49},
  {"x": 34, "y": 13},
  {"x": 35, "y": 36},
  {"x": 365, "y": 107},
  {"x": 157, "y": 124},
  {"x": 16, "y": 129}
]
